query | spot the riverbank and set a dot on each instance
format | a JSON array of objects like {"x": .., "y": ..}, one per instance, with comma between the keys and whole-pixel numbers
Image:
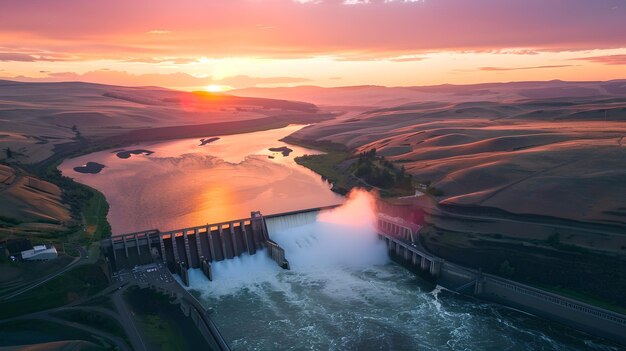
[
  {"x": 550, "y": 265},
  {"x": 89, "y": 207},
  {"x": 564, "y": 310},
  {"x": 346, "y": 171}
]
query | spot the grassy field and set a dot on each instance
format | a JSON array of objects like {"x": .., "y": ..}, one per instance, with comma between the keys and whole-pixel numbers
[
  {"x": 95, "y": 226},
  {"x": 593, "y": 278},
  {"x": 78, "y": 283},
  {"x": 583, "y": 298},
  {"x": 95, "y": 320},
  {"x": 326, "y": 166},
  {"x": 162, "y": 323},
  {"x": 88, "y": 208},
  {"x": 99, "y": 301}
]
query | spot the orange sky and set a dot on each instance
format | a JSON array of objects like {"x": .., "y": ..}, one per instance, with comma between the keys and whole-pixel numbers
[{"x": 194, "y": 44}]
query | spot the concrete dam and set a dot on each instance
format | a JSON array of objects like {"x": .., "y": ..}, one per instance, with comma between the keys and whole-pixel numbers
[
  {"x": 193, "y": 247},
  {"x": 197, "y": 247}
]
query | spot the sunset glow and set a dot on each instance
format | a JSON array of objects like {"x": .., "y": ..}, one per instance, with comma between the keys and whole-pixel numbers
[
  {"x": 214, "y": 88},
  {"x": 192, "y": 45}
]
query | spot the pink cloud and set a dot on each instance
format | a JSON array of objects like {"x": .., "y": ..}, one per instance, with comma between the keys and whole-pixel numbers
[
  {"x": 607, "y": 60},
  {"x": 238, "y": 27},
  {"x": 497, "y": 69},
  {"x": 27, "y": 57}
]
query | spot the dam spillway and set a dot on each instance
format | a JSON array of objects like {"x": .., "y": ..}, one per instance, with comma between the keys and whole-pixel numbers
[
  {"x": 199, "y": 246},
  {"x": 193, "y": 247}
]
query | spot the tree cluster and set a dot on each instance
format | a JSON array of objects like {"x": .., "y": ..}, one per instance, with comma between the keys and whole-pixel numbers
[{"x": 380, "y": 172}]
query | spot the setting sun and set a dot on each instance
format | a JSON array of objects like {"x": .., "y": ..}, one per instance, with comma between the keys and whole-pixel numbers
[{"x": 214, "y": 88}]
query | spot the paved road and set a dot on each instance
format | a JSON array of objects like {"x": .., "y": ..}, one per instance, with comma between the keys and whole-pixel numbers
[
  {"x": 46, "y": 316},
  {"x": 122, "y": 316},
  {"x": 75, "y": 262},
  {"x": 127, "y": 321},
  {"x": 119, "y": 342}
]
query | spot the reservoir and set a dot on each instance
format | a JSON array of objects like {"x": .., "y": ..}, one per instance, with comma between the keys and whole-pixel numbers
[
  {"x": 342, "y": 292},
  {"x": 181, "y": 183}
]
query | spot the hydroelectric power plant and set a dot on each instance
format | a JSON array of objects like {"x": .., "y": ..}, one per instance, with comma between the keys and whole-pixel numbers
[
  {"x": 194, "y": 247},
  {"x": 201, "y": 247}
]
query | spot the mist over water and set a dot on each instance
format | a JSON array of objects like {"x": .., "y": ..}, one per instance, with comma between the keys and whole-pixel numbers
[
  {"x": 342, "y": 237},
  {"x": 343, "y": 293}
]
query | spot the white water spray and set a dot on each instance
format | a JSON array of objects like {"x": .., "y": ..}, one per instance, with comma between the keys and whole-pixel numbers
[
  {"x": 341, "y": 237},
  {"x": 320, "y": 245}
]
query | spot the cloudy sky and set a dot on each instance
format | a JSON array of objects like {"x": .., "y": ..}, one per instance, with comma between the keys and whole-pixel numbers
[{"x": 196, "y": 44}]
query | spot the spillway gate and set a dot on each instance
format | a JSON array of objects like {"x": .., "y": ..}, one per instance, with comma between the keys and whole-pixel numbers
[{"x": 193, "y": 247}]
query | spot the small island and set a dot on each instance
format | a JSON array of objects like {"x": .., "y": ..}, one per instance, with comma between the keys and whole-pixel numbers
[
  {"x": 90, "y": 168},
  {"x": 126, "y": 154},
  {"x": 205, "y": 141},
  {"x": 283, "y": 149}
]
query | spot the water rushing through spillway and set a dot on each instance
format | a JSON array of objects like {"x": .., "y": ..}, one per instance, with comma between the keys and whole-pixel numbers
[{"x": 343, "y": 293}]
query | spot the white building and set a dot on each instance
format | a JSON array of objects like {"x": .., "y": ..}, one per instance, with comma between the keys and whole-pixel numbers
[{"x": 40, "y": 253}]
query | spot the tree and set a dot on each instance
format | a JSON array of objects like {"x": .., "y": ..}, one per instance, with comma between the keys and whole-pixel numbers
[
  {"x": 9, "y": 152},
  {"x": 364, "y": 169}
]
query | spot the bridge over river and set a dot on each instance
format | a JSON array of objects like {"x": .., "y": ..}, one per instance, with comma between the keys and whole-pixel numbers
[{"x": 198, "y": 247}]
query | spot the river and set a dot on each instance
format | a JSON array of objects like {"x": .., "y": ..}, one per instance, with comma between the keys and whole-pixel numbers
[
  {"x": 342, "y": 292},
  {"x": 182, "y": 184}
]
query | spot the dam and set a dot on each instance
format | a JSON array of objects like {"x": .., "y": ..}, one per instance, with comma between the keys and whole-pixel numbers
[
  {"x": 194, "y": 247},
  {"x": 200, "y": 247}
]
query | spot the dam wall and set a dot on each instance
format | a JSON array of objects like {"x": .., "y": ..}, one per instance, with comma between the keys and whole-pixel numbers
[
  {"x": 566, "y": 311},
  {"x": 193, "y": 247},
  {"x": 288, "y": 220},
  {"x": 570, "y": 312}
]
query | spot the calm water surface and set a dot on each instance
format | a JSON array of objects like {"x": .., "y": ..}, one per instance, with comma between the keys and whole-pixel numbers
[{"x": 183, "y": 184}]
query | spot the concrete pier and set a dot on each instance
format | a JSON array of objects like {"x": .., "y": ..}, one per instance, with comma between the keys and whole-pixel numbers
[
  {"x": 206, "y": 269},
  {"x": 194, "y": 246},
  {"x": 183, "y": 273}
]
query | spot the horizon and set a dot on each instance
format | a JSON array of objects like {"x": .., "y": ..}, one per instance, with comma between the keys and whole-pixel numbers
[
  {"x": 328, "y": 43},
  {"x": 328, "y": 87}
]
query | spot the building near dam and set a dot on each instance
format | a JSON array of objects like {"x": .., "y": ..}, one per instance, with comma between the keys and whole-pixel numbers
[{"x": 40, "y": 253}]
